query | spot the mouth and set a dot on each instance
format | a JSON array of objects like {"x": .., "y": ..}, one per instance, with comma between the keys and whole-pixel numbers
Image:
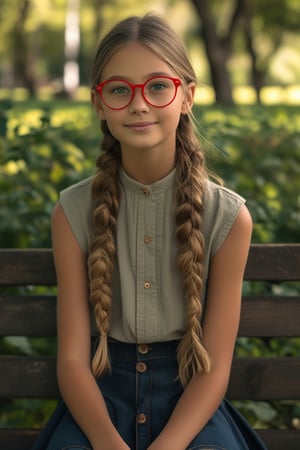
[{"x": 140, "y": 125}]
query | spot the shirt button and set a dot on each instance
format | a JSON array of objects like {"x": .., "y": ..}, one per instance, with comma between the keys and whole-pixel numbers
[
  {"x": 141, "y": 418},
  {"x": 147, "y": 285},
  {"x": 146, "y": 191},
  {"x": 143, "y": 349},
  {"x": 141, "y": 367},
  {"x": 147, "y": 239}
]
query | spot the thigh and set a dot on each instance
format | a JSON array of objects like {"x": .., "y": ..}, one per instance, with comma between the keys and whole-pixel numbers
[
  {"x": 68, "y": 436},
  {"x": 217, "y": 435},
  {"x": 227, "y": 430}
]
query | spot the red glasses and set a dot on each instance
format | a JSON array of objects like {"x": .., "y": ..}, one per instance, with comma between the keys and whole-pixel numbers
[{"x": 157, "y": 91}]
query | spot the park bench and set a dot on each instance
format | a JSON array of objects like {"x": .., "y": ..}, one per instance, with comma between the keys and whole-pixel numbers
[{"x": 252, "y": 378}]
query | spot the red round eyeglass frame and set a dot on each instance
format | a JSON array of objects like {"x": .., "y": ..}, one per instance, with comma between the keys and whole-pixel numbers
[{"x": 99, "y": 87}]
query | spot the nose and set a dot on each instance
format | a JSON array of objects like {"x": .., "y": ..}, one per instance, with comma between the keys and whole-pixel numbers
[{"x": 138, "y": 103}]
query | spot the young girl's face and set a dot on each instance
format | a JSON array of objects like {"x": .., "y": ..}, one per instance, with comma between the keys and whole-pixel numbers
[{"x": 140, "y": 125}]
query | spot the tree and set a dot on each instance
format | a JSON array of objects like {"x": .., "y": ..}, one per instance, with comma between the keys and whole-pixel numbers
[
  {"x": 218, "y": 46},
  {"x": 22, "y": 63},
  {"x": 259, "y": 25},
  {"x": 268, "y": 22}
]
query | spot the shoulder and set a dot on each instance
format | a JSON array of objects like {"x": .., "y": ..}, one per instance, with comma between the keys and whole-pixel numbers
[
  {"x": 216, "y": 195},
  {"x": 220, "y": 210},
  {"x": 76, "y": 203},
  {"x": 79, "y": 191}
]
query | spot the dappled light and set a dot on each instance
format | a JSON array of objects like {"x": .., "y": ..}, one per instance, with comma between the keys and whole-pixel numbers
[{"x": 50, "y": 135}]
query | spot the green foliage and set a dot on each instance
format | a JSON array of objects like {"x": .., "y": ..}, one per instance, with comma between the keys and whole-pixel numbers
[
  {"x": 37, "y": 160},
  {"x": 44, "y": 147},
  {"x": 260, "y": 159}
]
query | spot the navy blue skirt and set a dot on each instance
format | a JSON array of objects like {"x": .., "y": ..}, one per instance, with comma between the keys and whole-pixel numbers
[{"x": 141, "y": 393}]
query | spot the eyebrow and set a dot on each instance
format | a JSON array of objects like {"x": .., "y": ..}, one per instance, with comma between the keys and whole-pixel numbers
[{"x": 149, "y": 75}]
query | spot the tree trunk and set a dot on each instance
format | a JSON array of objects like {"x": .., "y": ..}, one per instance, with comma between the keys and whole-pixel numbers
[
  {"x": 22, "y": 63},
  {"x": 218, "y": 49}
]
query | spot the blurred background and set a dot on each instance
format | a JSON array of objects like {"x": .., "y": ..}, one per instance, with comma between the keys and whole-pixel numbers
[
  {"x": 243, "y": 51},
  {"x": 246, "y": 54}
]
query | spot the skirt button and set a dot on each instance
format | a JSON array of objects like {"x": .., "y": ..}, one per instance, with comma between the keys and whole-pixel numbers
[
  {"x": 141, "y": 418},
  {"x": 143, "y": 348},
  {"x": 141, "y": 367}
]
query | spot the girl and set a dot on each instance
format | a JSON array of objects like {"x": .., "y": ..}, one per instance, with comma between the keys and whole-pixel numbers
[{"x": 159, "y": 252}]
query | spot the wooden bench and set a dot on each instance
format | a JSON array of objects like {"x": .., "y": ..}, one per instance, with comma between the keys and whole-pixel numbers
[{"x": 253, "y": 378}]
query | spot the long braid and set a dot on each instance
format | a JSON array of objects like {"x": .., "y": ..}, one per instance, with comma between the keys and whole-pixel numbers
[
  {"x": 105, "y": 196},
  {"x": 191, "y": 178},
  {"x": 155, "y": 34}
]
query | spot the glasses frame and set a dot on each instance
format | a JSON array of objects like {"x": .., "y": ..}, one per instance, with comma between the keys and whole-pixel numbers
[{"x": 99, "y": 88}]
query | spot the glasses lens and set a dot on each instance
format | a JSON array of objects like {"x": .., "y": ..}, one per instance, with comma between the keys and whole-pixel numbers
[
  {"x": 157, "y": 91},
  {"x": 160, "y": 91},
  {"x": 116, "y": 94}
]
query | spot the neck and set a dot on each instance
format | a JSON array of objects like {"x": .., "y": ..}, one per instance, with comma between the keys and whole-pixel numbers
[{"x": 148, "y": 167}]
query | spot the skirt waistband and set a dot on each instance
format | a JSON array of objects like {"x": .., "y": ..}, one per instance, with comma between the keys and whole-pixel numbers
[{"x": 122, "y": 350}]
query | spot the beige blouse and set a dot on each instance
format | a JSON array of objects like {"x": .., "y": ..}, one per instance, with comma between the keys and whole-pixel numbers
[{"x": 148, "y": 298}]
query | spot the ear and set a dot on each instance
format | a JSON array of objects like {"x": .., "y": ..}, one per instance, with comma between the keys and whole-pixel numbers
[
  {"x": 96, "y": 101},
  {"x": 189, "y": 98}
]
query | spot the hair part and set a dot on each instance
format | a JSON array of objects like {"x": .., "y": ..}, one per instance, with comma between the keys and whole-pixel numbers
[{"x": 156, "y": 35}]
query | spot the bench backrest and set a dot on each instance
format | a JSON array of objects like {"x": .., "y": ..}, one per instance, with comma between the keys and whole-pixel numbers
[{"x": 252, "y": 378}]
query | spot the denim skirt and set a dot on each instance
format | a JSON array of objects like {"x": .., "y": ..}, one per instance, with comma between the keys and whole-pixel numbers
[{"x": 140, "y": 394}]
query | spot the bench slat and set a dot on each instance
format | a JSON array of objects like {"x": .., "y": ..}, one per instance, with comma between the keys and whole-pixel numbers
[
  {"x": 27, "y": 267},
  {"x": 281, "y": 439},
  {"x": 39, "y": 316},
  {"x": 273, "y": 262},
  {"x": 28, "y": 377},
  {"x": 266, "y": 316},
  {"x": 261, "y": 378},
  {"x": 17, "y": 438},
  {"x": 252, "y": 378}
]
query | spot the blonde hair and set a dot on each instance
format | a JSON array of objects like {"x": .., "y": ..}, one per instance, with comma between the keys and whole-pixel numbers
[{"x": 191, "y": 177}]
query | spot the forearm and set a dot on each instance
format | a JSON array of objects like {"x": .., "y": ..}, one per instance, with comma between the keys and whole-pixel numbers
[
  {"x": 195, "y": 407},
  {"x": 86, "y": 404}
]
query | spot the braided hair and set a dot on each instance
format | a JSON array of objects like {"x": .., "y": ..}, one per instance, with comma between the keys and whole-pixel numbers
[{"x": 191, "y": 177}]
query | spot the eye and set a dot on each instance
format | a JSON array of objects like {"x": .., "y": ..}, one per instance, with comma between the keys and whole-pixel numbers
[
  {"x": 157, "y": 86},
  {"x": 117, "y": 88},
  {"x": 121, "y": 90}
]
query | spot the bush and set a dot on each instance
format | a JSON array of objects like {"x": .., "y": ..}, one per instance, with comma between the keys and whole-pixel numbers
[{"x": 254, "y": 149}]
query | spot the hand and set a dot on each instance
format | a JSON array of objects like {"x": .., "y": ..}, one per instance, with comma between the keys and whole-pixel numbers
[
  {"x": 163, "y": 446},
  {"x": 121, "y": 446},
  {"x": 113, "y": 445}
]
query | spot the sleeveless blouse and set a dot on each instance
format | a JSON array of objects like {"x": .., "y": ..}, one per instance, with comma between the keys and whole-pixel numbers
[{"x": 148, "y": 303}]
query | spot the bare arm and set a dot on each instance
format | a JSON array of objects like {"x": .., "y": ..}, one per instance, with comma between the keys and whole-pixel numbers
[
  {"x": 205, "y": 392},
  {"x": 76, "y": 381}
]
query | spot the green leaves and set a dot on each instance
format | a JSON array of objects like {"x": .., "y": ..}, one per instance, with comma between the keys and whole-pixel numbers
[
  {"x": 37, "y": 160},
  {"x": 262, "y": 164}
]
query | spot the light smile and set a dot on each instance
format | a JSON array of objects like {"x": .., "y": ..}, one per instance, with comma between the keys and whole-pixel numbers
[{"x": 140, "y": 125}]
